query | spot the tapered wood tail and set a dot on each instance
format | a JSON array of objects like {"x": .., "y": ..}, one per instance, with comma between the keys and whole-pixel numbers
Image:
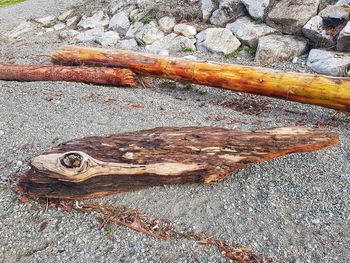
[
  {"x": 97, "y": 166},
  {"x": 90, "y": 75},
  {"x": 313, "y": 89}
]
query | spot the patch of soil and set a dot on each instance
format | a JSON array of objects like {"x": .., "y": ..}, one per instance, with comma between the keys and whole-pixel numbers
[{"x": 247, "y": 106}]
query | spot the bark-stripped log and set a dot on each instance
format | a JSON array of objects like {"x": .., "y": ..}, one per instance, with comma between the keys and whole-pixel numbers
[
  {"x": 98, "y": 166},
  {"x": 90, "y": 75},
  {"x": 319, "y": 90}
]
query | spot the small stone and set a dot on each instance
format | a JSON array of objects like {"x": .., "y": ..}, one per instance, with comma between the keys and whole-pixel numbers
[
  {"x": 62, "y": 17},
  {"x": 249, "y": 32},
  {"x": 289, "y": 16},
  {"x": 98, "y": 19},
  {"x": 90, "y": 35},
  {"x": 219, "y": 18},
  {"x": 256, "y": 8},
  {"x": 166, "y": 24},
  {"x": 73, "y": 20},
  {"x": 295, "y": 60},
  {"x": 207, "y": 7},
  {"x": 277, "y": 48},
  {"x": 314, "y": 30},
  {"x": 107, "y": 39},
  {"x": 148, "y": 34},
  {"x": 119, "y": 23},
  {"x": 19, "y": 163},
  {"x": 59, "y": 26},
  {"x": 2, "y": 132},
  {"x": 343, "y": 43},
  {"x": 217, "y": 40},
  {"x": 68, "y": 33},
  {"x": 173, "y": 43},
  {"x": 127, "y": 44},
  {"x": 185, "y": 30},
  {"x": 341, "y": 12},
  {"x": 133, "y": 30},
  {"x": 329, "y": 62},
  {"x": 45, "y": 20}
]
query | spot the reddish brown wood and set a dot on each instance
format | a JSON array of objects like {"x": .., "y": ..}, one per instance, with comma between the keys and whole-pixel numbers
[
  {"x": 97, "y": 166},
  {"x": 90, "y": 75}
]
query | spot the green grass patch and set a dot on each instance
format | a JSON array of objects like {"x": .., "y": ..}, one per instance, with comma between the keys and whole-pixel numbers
[
  {"x": 251, "y": 50},
  {"x": 10, "y": 2}
]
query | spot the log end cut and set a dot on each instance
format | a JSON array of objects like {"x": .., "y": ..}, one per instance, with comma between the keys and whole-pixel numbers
[{"x": 97, "y": 166}]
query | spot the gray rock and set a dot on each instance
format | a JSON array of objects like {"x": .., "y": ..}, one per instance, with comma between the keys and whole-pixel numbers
[
  {"x": 134, "y": 28},
  {"x": 219, "y": 17},
  {"x": 185, "y": 30},
  {"x": 172, "y": 43},
  {"x": 343, "y": 2},
  {"x": 249, "y": 32},
  {"x": 217, "y": 40},
  {"x": 127, "y": 44},
  {"x": 277, "y": 48},
  {"x": 289, "y": 16},
  {"x": 329, "y": 62},
  {"x": 166, "y": 24},
  {"x": 119, "y": 23},
  {"x": 107, "y": 39},
  {"x": 69, "y": 33},
  {"x": 22, "y": 28},
  {"x": 343, "y": 43},
  {"x": 336, "y": 11},
  {"x": 314, "y": 30},
  {"x": 90, "y": 35},
  {"x": 149, "y": 33},
  {"x": 207, "y": 7},
  {"x": 98, "y": 19},
  {"x": 324, "y": 3},
  {"x": 45, "y": 20},
  {"x": 71, "y": 21},
  {"x": 59, "y": 26},
  {"x": 63, "y": 17},
  {"x": 256, "y": 8}
]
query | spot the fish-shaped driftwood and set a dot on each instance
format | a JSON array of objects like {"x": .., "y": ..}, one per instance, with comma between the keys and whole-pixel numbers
[{"x": 103, "y": 165}]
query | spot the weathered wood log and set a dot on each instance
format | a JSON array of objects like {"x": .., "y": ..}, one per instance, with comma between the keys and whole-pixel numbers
[
  {"x": 313, "y": 89},
  {"x": 90, "y": 75},
  {"x": 98, "y": 166}
]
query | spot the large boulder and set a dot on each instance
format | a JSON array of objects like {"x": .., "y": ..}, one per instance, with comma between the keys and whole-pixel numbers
[
  {"x": 219, "y": 17},
  {"x": 185, "y": 30},
  {"x": 257, "y": 8},
  {"x": 277, "y": 48},
  {"x": 329, "y": 62},
  {"x": 289, "y": 16},
  {"x": 316, "y": 32},
  {"x": 217, "y": 40},
  {"x": 249, "y": 32},
  {"x": 343, "y": 43}
]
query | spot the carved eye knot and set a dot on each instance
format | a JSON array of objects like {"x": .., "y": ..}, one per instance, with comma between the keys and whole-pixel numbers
[{"x": 72, "y": 160}]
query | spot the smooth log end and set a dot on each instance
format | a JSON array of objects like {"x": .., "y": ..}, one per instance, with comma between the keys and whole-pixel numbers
[{"x": 97, "y": 166}]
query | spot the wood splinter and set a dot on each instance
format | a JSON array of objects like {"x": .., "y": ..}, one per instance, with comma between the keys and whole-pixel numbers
[
  {"x": 89, "y": 75},
  {"x": 97, "y": 166}
]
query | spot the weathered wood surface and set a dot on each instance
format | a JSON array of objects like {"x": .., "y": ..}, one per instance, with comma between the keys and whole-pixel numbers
[
  {"x": 90, "y": 75},
  {"x": 97, "y": 166},
  {"x": 313, "y": 89}
]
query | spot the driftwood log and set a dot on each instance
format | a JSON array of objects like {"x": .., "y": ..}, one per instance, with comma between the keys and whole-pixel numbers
[
  {"x": 90, "y": 75},
  {"x": 97, "y": 166},
  {"x": 313, "y": 89}
]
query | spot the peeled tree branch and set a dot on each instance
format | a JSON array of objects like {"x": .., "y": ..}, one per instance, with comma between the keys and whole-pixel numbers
[
  {"x": 89, "y": 75},
  {"x": 330, "y": 92}
]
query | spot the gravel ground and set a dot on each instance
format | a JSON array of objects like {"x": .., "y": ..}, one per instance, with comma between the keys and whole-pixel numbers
[{"x": 294, "y": 208}]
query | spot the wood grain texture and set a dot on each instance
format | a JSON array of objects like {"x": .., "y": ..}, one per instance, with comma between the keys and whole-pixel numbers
[
  {"x": 97, "y": 166},
  {"x": 313, "y": 89},
  {"x": 89, "y": 75}
]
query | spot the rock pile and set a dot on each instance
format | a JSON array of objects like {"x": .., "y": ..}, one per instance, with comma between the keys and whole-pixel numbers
[{"x": 274, "y": 31}]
